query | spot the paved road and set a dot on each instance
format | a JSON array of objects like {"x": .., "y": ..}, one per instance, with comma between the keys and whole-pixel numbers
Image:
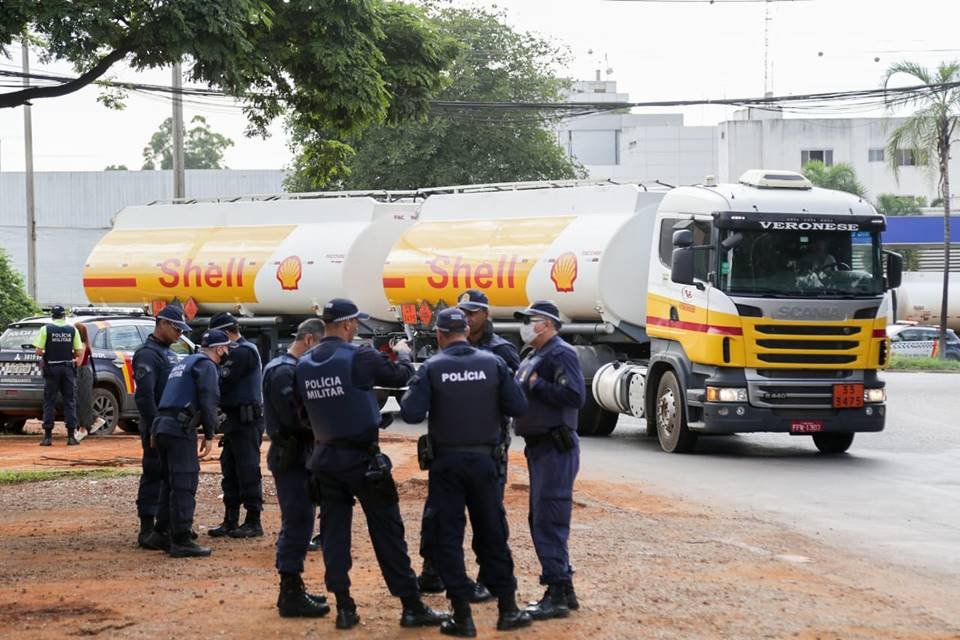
[{"x": 896, "y": 495}]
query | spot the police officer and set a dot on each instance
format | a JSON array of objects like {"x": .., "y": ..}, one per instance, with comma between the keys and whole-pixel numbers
[
  {"x": 241, "y": 400},
  {"x": 189, "y": 400},
  {"x": 335, "y": 383},
  {"x": 467, "y": 392},
  {"x": 551, "y": 377},
  {"x": 152, "y": 363},
  {"x": 476, "y": 306},
  {"x": 290, "y": 446},
  {"x": 59, "y": 348}
]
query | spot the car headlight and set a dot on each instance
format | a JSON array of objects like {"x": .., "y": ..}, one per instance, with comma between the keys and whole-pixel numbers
[
  {"x": 875, "y": 395},
  {"x": 726, "y": 394}
]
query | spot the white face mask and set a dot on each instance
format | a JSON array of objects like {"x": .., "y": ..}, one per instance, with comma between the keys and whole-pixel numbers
[{"x": 528, "y": 333}]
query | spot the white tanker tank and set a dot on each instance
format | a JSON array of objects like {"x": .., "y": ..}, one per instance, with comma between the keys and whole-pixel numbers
[
  {"x": 262, "y": 258},
  {"x": 920, "y": 295}
]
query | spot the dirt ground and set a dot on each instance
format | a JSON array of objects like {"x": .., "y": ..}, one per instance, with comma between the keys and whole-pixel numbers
[{"x": 647, "y": 566}]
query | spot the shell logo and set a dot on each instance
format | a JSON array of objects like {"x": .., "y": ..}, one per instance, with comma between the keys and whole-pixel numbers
[
  {"x": 289, "y": 273},
  {"x": 564, "y": 272}
]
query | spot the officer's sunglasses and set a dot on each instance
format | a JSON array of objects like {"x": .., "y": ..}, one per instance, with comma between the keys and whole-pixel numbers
[{"x": 533, "y": 320}]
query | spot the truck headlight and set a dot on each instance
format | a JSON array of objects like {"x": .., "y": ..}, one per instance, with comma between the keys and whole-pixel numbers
[
  {"x": 875, "y": 395},
  {"x": 726, "y": 394}
]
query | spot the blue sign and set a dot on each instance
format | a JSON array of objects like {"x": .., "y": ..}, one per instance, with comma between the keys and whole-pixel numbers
[{"x": 919, "y": 230}]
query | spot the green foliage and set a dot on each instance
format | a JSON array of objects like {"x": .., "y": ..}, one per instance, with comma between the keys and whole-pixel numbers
[
  {"x": 893, "y": 205},
  {"x": 14, "y": 301},
  {"x": 494, "y": 63},
  {"x": 13, "y": 476},
  {"x": 923, "y": 364},
  {"x": 839, "y": 176},
  {"x": 202, "y": 148},
  {"x": 339, "y": 64}
]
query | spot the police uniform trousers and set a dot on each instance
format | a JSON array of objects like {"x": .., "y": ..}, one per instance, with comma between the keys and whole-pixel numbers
[
  {"x": 297, "y": 511},
  {"x": 552, "y": 473},
  {"x": 59, "y": 378},
  {"x": 471, "y": 481},
  {"x": 340, "y": 477},
  {"x": 242, "y": 482},
  {"x": 180, "y": 465},
  {"x": 151, "y": 479}
]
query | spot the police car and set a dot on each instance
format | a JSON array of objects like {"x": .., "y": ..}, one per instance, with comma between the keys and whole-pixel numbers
[
  {"x": 114, "y": 334},
  {"x": 913, "y": 341}
]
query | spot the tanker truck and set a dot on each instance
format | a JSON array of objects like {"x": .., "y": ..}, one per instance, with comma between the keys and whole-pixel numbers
[{"x": 710, "y": 309}]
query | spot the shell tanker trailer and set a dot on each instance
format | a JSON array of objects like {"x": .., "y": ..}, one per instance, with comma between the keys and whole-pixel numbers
[{"x": 712, "y": 309}]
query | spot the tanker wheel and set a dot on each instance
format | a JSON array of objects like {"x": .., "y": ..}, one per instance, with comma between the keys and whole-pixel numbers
[
  {"x": 594, "y": 420},
  {"x": 671, "y": 417},
  {"x": 833, "y": 443}
]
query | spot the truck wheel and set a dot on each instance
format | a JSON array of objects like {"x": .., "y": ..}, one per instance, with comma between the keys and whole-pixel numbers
[
  {"x": 594, "y": 420},
  {"x": 106, "y": 405},
  {"x": 671, "y": 417},
  {"x": 833, "y": 443}
]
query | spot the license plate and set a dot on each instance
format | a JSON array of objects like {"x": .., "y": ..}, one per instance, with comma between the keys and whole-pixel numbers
[
  {"x": 806, "y": 426},
  {"x": 847, "y": 396},
  {"x": 17, "y": 368}
]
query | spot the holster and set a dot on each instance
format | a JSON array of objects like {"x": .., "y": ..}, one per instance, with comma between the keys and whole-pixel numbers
[
  {"x": 562, "y": 439},
  {"x": 501, "y": 455},
  {"x": 379, "y": 479},
  {"x": 425, "y": 451},
  {"x": 188, "y": 419},
  {"x": 289, "y": 451}
]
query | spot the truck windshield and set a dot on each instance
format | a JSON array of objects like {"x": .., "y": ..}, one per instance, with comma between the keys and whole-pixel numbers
[{"x": 803, "y": 264}]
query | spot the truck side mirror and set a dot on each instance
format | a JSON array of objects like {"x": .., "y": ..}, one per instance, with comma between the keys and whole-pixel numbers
[
  {"x": 681, "y": 264},
  {"x": 682, "y": 238},
  {"x": 894, "y": 269}
]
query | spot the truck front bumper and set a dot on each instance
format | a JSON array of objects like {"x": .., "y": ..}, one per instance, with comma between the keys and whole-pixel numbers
[{"x": 728, "y": 417}]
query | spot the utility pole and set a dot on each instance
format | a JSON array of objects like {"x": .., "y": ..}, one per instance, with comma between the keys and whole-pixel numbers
[
  {"x": 28, "y": 152},
  {"x": 767, "y": 18},
  {"x": 179, "y": 175}
]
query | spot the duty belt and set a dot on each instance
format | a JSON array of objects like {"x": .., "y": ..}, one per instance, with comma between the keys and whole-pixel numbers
[
  {"x": 59, "y": 361},
  {"x": 534, "y": 441},
  {"x": 484, "y": 449},
  {"x": 346, "y": 444},
  {"x": 169, "y": 413}
]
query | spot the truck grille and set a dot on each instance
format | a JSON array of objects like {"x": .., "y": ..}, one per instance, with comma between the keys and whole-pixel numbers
[
  {"x": 794, "y": 396},
  {"x": 806, "y": 344}
]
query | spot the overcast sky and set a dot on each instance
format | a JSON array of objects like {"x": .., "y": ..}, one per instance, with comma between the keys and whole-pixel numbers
[{"x": 664, "y": 50}]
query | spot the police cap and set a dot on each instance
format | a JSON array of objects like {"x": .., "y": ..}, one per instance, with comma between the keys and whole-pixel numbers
[
  {"x": 223, "y": 320},
  {"x": 173, "y": 314},
  {"x": 452, "y": 320},
  {"x": 542, "y": 309},
  {"x": 473, "y": 300},
  {"x": 340, "y": 309},
  {"x": 215, "y": 338},
  {"x": 57, "y": 311}
]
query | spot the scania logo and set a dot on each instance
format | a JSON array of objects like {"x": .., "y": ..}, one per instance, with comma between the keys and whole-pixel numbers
[{"x": 809, "y": 313}]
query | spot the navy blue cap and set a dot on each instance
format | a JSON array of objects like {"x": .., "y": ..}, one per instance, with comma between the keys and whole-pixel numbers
[
  {"x": 57, "y": 311},
  {"x": 223, "y": 320},
  {"x": 215, "y": 338},
  {"x": 473, "y": 300},
  {"x": 452, "y": 320},
  {"x": 340, "y": 309},
  {"x": 174, "y": 315},
  {"x": 541, "y": 308}
]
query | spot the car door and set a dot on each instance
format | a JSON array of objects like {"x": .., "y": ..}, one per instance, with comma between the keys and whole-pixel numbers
[{"x": 123, "y": 340}]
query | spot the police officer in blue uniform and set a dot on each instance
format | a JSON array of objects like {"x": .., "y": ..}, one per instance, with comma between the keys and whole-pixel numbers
[
  {"x": 476, "y": 306},
  {"x": 59, "y": 347},
  {"x": 551, "y": 377},
  {"x": 291, "y": 443},
  {"x": 241, "y": 400},
  {"x": 152, "y": 363},
  {"x": 335, "y": 384},
  {"x": 189, "y": 400},
  {"x": 467, "y": 393}
]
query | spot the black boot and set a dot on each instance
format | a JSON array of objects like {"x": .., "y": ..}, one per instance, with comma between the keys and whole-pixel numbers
[
  {"x": 47, "y": 440},
  {"x": 294, "y": 601},
  {"x": 183, "y": 546},
  {"x": 461, "y": 624},
  {"x": 71, "y": 439},
  {"x": 552, "y": 605},
  {"x": 231, "y": 518},
  {"x": 347, "y": 616},
  {"x": 417, "y": 614},
  {"x": 572, "y": 603},
  {"x": 157, "y": 541},
  {"x": 511, "y": 617},
  {"x": 480, "y": 593},
  {"x": 146, "y": 528},
  {"x": 250, "y": 528},
  {"x": 429, "y": 579}
]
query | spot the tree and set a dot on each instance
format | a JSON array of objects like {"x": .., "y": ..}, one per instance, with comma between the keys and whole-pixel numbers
[
  {"x": 14, "y": 301},
  {"x": 202, "y": 148},
  {"x": 929, "y": 133},
  {"x": 840, "y": 177},
  {"x": 893, "y": 205},
  {"x": 452, "y": 146},
  {"x": 342, "y": 64}
]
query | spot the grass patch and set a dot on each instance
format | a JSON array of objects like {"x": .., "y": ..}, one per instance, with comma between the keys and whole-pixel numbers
[
  {"x": 903, "y": 363},
  {"x": 8, "y": 476}
]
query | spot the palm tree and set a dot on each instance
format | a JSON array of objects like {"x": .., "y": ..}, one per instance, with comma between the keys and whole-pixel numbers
[
  {"x": 840, "y": 177},
  {"x": 928, "y": 133}
]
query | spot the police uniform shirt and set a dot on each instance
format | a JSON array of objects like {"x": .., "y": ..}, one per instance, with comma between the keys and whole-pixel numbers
[
  {"x": 241, "y": 380},
  {"x": 41, "y": 343},
  {"x": 194, "y": 381},
  {"x": 500, "y": 346},
  {"x": 151, "y": 366},
  {"x": 370, "y": 368},
  {"x": 558, "y": 392},
  {"x": 279, "y": 406}
]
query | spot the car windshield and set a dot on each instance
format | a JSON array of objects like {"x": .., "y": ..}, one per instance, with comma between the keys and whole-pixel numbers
[
  {"x": 14, "y": 337},
  {"x": 803, "y": 264}
]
